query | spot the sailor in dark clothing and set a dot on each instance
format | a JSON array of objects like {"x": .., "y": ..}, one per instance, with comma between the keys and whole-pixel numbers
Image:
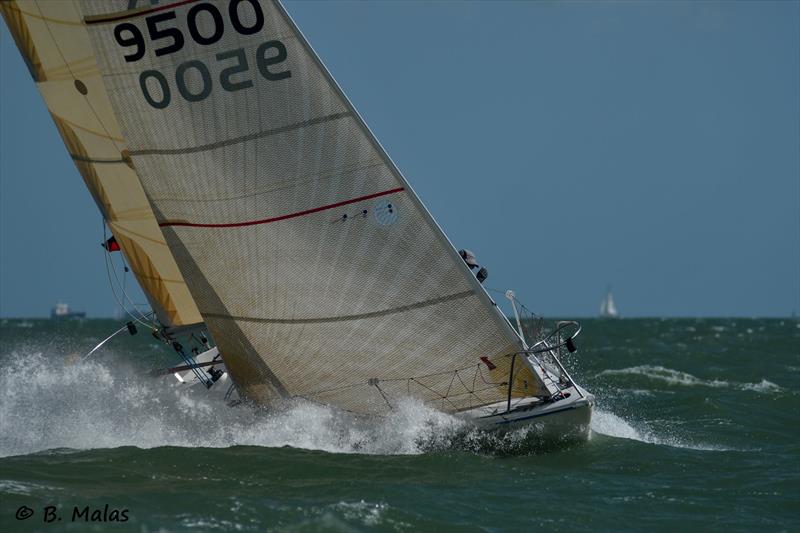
[{"x": 472, "y": 263}]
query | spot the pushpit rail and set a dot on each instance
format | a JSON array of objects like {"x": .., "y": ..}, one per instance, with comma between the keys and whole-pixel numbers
[{"x": 544, "y": 346}]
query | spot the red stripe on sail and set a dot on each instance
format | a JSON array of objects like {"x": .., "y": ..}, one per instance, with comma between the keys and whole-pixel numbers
[{"x": 283, "y": 217}]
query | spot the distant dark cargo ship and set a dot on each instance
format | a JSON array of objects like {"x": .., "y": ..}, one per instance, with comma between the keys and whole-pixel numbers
[{"x": 61, "y": 312}]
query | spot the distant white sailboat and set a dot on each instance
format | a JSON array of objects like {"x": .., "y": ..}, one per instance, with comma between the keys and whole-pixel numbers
[{"x": 607, "y": 307}]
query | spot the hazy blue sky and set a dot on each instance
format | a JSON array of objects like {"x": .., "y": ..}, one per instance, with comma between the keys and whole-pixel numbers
[{"x": 651, "y": 146}]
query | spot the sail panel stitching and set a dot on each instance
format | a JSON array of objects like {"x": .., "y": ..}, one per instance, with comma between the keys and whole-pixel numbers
[
  {"x": 343, "y": 318},
  {"x": 94, "y": 160},
  {"x": 244, "y": 138}
]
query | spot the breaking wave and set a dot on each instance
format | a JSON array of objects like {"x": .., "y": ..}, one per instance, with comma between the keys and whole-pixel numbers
[
  {"x": 50, "y": 402},
  {"x": 56, "y": 402},
  {"x": 609, "y": 424},
  {"x": 676, "y": 377},
  {"x": 91, "y": 404}
]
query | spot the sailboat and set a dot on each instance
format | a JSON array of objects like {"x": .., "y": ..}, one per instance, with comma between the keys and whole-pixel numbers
[
  {"x": 608, "y": 308},
  {"x": 276, "y": 241}
]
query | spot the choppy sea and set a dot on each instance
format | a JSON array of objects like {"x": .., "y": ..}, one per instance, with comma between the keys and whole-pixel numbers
[{"x": 697, "y": 429}]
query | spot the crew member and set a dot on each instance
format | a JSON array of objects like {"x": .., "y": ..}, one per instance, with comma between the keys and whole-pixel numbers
[{"x": 472, "y": 263}]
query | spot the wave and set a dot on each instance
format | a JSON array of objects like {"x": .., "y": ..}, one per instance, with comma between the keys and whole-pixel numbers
[
  {"x": 50, "y": 403},
  {"x": 611, "y": 425},
  {"x": 676, "y": 377},
  {"x": 761, "y": 386}
]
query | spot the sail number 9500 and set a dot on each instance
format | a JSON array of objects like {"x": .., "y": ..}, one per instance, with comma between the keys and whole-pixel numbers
[
  {"x": 129, "y": 35},
  {"x": 171, "y": 39}
]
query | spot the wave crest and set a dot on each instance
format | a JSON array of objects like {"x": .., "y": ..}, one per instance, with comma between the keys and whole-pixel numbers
[
  {"x": 677, "y": 377},
  {"x": 611, "y": 425}
]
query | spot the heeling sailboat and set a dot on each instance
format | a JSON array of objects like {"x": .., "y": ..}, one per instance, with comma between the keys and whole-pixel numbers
[{"x": 314, "y": 265}]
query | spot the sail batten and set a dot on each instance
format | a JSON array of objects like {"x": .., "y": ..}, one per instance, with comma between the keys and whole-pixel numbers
[{"x": 317, "y": 269}]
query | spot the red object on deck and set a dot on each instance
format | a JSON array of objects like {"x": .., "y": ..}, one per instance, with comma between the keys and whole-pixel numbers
[{"x": 489, "y": 364}]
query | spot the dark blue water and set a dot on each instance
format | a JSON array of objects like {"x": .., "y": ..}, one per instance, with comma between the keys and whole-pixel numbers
[{"x": 697, "y": 429}]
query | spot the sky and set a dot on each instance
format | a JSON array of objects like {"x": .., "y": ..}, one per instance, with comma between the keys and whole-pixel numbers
[{"x": 650, "y": 146}]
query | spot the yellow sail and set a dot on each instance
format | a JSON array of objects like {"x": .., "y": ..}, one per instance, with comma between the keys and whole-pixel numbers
[{"x": 54, "y": 42}]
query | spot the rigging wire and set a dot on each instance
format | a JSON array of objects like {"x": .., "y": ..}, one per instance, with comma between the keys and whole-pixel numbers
[
  {"x": 142, "y": 318},
  {"x": 192, "y": 363},
  {"x": 120, "y": 330},
  {"x": 125, "y": 271},
  {"x": 522, "y": 305}
]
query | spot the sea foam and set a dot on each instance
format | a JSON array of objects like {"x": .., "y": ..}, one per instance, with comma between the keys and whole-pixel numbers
[
  {"x": 609, "y": 424},
  {"x": 49, "y": 402},
  {"x": 677, "y": 377},
  {"x": 54, "y": 402}
]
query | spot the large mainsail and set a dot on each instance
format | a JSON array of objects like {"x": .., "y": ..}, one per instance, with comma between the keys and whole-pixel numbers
[
  {"x": 314, "y": 265},
  {"x": 55, "y": 44}
]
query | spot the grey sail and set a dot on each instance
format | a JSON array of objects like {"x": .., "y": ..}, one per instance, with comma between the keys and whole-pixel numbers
[{"x": 313, "y": 263}]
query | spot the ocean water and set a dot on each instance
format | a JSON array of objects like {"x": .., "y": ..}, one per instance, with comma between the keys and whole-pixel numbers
[{"x": 696, "y": 429}]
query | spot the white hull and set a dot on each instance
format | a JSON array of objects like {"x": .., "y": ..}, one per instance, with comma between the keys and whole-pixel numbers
[{"x": 565, "y": 419}]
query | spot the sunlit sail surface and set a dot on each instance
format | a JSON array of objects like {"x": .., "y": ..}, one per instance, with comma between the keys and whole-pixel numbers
[{"x": 314, "y": 265}]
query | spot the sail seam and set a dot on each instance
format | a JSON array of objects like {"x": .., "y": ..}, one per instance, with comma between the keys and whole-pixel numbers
[
  {"x": 88, "y": 130},
  {"x": 95, "y": 160},
  {"x": 244, "y": 138},
  {"x": 343, "y": 318},
  {"x": 42, "y": 17},
  {"x": 282, "y": 217}
]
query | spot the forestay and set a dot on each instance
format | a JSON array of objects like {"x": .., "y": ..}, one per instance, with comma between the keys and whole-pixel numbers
[
  {"x": 54, "y": 42},
  {"x": 316, "y": 268}
]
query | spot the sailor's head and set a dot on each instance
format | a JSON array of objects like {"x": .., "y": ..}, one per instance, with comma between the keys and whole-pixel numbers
[{"x": 469, "y": 258}]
